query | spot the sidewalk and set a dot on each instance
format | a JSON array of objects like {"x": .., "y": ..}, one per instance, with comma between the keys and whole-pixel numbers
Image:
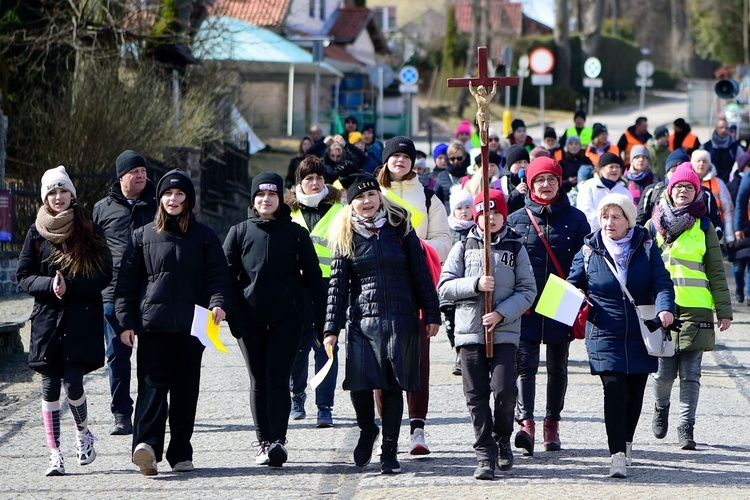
[{"x": 320, "y": 460}]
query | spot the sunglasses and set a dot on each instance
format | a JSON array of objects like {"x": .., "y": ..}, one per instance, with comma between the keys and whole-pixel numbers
[
  {"x": 494, "y": 139},
  {"x": 456, "y": 158}
]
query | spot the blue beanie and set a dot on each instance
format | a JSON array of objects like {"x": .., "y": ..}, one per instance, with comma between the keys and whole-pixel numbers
[
  {"x": 676, "y": 158},
  {"x": 440, "y": 149}
]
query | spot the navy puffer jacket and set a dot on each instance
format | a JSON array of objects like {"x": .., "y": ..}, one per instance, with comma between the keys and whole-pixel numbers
[
  {"x": 379, "y": 292},
  {"x": 613, "y": 336},
  {"x": 564, "y": 227}
]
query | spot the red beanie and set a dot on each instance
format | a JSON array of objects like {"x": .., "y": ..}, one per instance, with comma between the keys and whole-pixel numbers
[
  {"x": 497, "y": 202},
  {"x": 543, "y": 165},
  {"x": 684, "y": 173}
]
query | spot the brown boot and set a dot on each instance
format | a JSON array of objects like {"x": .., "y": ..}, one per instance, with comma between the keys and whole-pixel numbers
[
  {"x": 525, "y": 436},
  {"x": 551, "y": 435}
]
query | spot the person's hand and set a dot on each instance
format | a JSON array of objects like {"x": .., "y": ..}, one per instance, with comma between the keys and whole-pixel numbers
[
  {"x": 127, "y": 337},
  {"x": 666, "y": 318},
  {"x": 330, "y": 340},
  {"x": 339, "y": 139},
  {"x": 219, "y": 315},
  {"x": 573, "y": 179},
  {"x": 739, "y": 235},
  {"x": 432, "y": 329},
  {"x": 328, "y": 140},
  {"x": 724, "y": 324},
  {"x": 522, "y": 188},
  {"x": 58, "y": 285},
  {"x": 492, "y": 319},
  {"x": 486, "y": 284}
]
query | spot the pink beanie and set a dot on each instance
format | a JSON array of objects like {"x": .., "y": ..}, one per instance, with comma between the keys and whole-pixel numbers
[
  {"x": 684, "y": 173},
  {"x": 464, "y": 127}
]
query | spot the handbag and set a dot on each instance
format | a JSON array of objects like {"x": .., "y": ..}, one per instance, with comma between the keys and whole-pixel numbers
[
  {"x": 579, "y": 326},
  {"x": 657, "y": 343}
]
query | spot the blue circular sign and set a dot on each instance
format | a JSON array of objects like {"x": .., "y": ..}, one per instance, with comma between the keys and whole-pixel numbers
[{"x": 408, "y": 75}]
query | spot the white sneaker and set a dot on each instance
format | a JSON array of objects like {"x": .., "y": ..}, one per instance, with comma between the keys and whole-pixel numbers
[
  {"x": 85, "y": 448},
  {"x": 618, "y": 466},
  {"x": 184, "y": 466},
  {"x": 56, "y": 464},
  {"x": 628, "y": 454},
  {"x": 418, "y": 444},
  {"x": 261, "y": 458},
  {"x": 145, "y": 458}
]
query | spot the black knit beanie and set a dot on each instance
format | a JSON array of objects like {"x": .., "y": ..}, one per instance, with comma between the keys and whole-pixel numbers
[
  {"x": 399, "y": 144},
  {"x": 127, "y": 161},
  {"x": 516, "y": 153},
  {"x": 177, "y": 179},
  {"x": 267, "y": 181},
  {"x": 358, "y": 183}
]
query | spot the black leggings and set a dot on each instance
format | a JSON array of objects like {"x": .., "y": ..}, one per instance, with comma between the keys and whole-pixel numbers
[
  {"x": 623, "y": 399},
  {"x": 71, "y": 376}
]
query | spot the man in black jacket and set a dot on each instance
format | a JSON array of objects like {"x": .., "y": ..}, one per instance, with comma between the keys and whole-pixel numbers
[{"x": 131, "y": 203}]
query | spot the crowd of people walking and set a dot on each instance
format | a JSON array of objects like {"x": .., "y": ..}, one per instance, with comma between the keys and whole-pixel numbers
[{"x": 363, "y": 240}]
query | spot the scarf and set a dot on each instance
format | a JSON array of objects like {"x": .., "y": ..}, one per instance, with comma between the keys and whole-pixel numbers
[
  {"x": 54, "y": 228},
  {"x": 608, "y": 183},
  {"x": 637, "y": 177},
  {"x": 721, "y": 142},
  {"x": 671, "y": 221},
  {"x": 310, "y": 200},
  {"x": 458, "y": 224},
  {"x": 367, "y": 227},
  {"x": 619, "y": 251}
]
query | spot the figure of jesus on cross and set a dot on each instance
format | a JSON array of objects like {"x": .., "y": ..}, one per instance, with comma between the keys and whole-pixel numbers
[{"x": 483, "y": 82}]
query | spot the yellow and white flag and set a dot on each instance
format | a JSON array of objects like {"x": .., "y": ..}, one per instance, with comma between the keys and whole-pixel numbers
[
  {"x": 321, "y": 375},
  {"x": 206, "y": 330}
]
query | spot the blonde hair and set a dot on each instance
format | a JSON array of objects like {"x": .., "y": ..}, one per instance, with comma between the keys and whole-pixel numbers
[
  {"x": 456, "y": 147},
  {"x": 341, "y": 232}
]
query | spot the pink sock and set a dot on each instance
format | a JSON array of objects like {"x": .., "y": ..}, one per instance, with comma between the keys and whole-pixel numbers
[{"x": 51, "y": 414}]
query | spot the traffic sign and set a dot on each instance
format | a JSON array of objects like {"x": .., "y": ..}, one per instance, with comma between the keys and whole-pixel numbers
[
  {"x": 523, "y": 63},
  {"x": 594, "y": 83},
  {"x": 541, "y": 60},
  {"x": 507, "y": 55},
  {"x": 644, "y": 82},
  {"x": 408, "y": 89},
  {"x": 644, "y": 68},
  {"x": 388, "y": 75},
  {"x": 537, "y": 79},
  {"x": 592, "y": 67},
  {"x": 408, "y": 75}
]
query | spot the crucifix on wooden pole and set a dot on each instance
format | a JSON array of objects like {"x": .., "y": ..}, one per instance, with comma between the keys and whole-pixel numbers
[{"x": 483, "y": 98}]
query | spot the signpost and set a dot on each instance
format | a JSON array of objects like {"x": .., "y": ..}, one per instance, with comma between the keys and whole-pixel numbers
[
  {"x": 523, "y": 72},
  {"x": 408, "y": 76},
  {"x": 481, "y": 84},
  {"x": 541, "y": 61},
  {"x": 384, "y": 76},
  {"x": 592, "y": 68},
  {"x": 644, "y": 69}
]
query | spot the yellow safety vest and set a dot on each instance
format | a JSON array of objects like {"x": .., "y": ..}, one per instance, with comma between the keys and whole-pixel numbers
[
  {"x": 684, "y": 261},
  {"x": 319, "y": 236},
  {"x": 585, "y": 137},
  {"x": 417, "y": 216}
]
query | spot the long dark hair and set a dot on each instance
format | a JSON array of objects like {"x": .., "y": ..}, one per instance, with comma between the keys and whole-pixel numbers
[
  {"x": 84, "y": 252},
  {"x": 182, "y": 221}
]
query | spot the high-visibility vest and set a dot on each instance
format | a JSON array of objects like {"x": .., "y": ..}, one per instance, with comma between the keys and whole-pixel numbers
[
  {"x": 584, "y": 136},
  {"x": 632, "y": 141},
  {"x": 319, "y": 235},
  {"x": 689, "y": 142},
  {"x": 713, "y": 185},
  {"x": 594, "y": 156},
  {"x": 684, "y": 261},
  {"x": 417, "y": 216}
]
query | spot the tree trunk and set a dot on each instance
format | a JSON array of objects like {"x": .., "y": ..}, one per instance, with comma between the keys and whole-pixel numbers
[
  {"x": 682, "y": 43},
  {"x": 471, "y": 54},
  {"x": 615, "y": 14},
  {"x": 592, "y": 28},
  {"x": 562, "y": 66}
]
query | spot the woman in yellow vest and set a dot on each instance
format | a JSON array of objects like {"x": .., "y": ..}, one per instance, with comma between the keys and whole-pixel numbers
[
  {"x": 400, "y": 184},
  {"x": 314, "y": 205},
  {"x": 691, "y": 253}
]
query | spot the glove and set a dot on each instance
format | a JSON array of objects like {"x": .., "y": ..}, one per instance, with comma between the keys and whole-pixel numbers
[{"x": 346, "y": 168}]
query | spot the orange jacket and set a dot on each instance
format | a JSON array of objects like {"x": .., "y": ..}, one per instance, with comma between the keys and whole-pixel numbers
[
  {"x": 690, "y": 143},
  {"x": 594, "y": 156},
  {"x": 632, "y": 141}
]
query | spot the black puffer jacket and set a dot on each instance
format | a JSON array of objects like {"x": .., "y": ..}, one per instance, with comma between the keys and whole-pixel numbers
[
  {"x": 165, "y": 275},
  {"x": 119, "y": 219},
  {"x": 77, "y": 320},
  {"x": 379, "y": 292},
  {"x": 564, "y": 227},
  {"x": 270, "y": 262}
]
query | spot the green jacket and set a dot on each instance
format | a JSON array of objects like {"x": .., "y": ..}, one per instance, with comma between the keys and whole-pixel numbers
[{"x": 658, "y": 160}]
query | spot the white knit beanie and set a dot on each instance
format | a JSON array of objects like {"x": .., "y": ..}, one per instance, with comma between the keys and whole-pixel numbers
[
  {"x": 700, "y": 154},
  {"x": 622, "y": 201},
  {"x": 56, "y": 178},
  {"x": 459, "y": 197}
]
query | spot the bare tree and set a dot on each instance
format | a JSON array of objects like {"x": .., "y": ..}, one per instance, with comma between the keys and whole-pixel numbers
[
  {"x": 471, "y": 54},
  {"x": 561, "y": 35},
  {"x": 592, "y": 27}
]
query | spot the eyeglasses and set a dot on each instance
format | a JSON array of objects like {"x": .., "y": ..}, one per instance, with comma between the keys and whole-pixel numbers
[
  {"x": 494, "y": 139},
  {"x": 456, "y": 158},
  {"x": 688, "y": 188},
  {"x": 540, "y": 181}
]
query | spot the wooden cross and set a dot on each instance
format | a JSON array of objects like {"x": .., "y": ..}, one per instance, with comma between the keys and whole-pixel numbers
[{"x": 486, "y": 82}]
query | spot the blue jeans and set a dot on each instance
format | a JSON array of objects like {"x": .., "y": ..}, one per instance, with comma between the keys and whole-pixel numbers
[
  {"x": 741, "y": 268},
  {"x": 688, "y": 365},
  {"x": 118, "y": 365},
  {"x": 298, "y": 380}
]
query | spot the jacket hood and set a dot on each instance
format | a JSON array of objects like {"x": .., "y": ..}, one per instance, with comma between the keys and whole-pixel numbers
[{"x": 290, "y": 198}]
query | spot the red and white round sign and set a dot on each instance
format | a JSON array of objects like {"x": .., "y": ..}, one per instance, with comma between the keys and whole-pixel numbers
[{"x": 541, "y": 61}]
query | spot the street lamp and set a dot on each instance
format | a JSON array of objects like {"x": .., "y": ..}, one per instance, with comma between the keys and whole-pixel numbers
[{"x": 318, "y": 45}]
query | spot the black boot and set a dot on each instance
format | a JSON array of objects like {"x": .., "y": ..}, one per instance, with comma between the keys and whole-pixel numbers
[
  {"x": 504, "y": 454},
  {"x": 363, "y": 450},
  {"x": 685, "y": 433},
  {"x": 388, "y": 461}
]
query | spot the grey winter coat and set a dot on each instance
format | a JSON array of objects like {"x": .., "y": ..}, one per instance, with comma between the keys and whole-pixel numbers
[{"x": 515, "y": 287}]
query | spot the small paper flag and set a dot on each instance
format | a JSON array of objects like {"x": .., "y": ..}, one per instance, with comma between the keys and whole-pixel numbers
[
  {"x": 560, "y": 300},
  {"x": 206, "y": 330},
  {"x": 321, "y": 375}
]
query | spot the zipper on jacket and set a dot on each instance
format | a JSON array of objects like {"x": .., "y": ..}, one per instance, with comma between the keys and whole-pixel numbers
[
  {"x": 388, "y": 331},
  {"x": 546, "y": 269}
]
